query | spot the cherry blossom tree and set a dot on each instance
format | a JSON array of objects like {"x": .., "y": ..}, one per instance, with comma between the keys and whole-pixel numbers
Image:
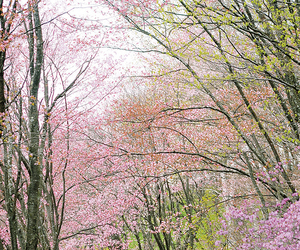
[{"x": 49, "y": 80}]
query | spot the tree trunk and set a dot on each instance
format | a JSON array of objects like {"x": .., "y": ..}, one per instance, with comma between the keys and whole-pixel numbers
[{"x": 35, "y": 168}]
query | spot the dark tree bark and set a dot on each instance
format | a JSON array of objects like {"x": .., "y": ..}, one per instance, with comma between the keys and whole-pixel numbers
[
  {"x": 35, "y": 168},
  {"x": 6, "y": 19}
]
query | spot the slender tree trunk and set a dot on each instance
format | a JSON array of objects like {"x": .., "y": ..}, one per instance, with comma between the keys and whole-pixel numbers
[
  {"x": 35, "y": 168},
  {"x": 2, "y": 97}
]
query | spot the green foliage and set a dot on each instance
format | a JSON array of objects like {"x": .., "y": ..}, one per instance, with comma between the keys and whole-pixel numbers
[{"x": 199, "y": 222}]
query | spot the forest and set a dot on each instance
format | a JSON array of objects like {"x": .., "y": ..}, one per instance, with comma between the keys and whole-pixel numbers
[{"x": 149, "y": 124}]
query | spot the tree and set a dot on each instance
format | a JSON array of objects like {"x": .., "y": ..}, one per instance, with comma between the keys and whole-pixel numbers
[
  {"x": 238, "y": 65},
  {"x": 205, "y": 27},
  {"x": 44, "y": 68}
]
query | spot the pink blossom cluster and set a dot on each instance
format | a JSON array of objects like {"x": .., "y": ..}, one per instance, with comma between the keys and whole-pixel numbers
[{"x": 279, "y": 232}]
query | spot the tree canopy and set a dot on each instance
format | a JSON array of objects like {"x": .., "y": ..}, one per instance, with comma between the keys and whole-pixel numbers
[{"x": 149, "y": 124}]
